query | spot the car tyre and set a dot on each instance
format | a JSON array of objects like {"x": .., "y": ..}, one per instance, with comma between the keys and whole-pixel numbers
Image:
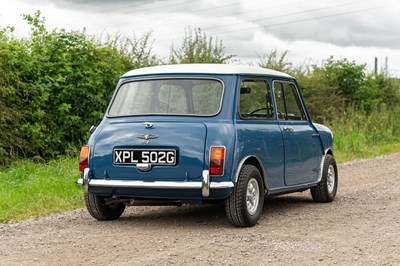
[
  {"x": 326, "y": 189},
  {"x": 244, "y": 206},
  {"x": 100, "y": 211}
]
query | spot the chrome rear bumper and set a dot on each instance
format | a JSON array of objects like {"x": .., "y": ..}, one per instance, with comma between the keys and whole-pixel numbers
[{"x": 205, "y": 185}]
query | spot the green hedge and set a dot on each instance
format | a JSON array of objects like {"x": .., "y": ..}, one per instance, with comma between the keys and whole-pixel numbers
[{"x": 55, "y": 85}]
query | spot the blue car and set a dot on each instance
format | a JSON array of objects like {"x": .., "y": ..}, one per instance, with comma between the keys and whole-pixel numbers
[{"x": 205, "y": 133}]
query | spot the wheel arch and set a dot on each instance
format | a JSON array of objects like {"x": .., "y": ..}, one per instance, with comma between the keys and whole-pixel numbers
[
  {"x": 329, "y": 151},
  {"x": 321, "y": 168},
  {"x": 255, "y": 161}
]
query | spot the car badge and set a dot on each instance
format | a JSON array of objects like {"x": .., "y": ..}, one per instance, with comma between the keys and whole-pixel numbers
[{"x": 146, "y": 137}]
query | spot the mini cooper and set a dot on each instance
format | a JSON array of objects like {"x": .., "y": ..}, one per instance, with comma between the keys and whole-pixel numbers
[{"x": 205, "y": 133}]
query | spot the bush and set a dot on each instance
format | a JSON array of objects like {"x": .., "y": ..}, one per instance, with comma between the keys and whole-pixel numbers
[{"x": 55, "y": 85}]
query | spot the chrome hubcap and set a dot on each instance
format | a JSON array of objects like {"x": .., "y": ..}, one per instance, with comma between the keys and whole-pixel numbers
[
  {"x": 330, "y": 179},
  {"x": 252, "y": 196}
]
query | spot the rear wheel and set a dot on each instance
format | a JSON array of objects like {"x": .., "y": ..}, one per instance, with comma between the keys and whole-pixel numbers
[
  {"x": 97, "y": 207},
  {"x": 326, "y": 189},
  {"x": 244, "y": 206}
]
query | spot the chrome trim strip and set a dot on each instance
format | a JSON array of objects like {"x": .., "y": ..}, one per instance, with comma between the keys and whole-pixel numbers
[
  {"x": 205, "y": 185},
  {"x": 155, "y": 184},
  {"x": 221, "y": 185}
]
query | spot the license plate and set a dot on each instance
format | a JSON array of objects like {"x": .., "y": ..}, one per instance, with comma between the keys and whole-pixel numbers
[{"x": 150, "y": 156}]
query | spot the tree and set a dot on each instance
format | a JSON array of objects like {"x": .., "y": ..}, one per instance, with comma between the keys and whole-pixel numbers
[
  {"x": 348, "y": 76},
  {"x": 138, "y": 50},
  {"x": 275, "y": 61},
  {"x": 197, "y": 47}
]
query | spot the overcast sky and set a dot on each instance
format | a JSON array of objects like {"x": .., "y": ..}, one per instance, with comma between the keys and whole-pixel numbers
[{"x": 311, "y": 30}]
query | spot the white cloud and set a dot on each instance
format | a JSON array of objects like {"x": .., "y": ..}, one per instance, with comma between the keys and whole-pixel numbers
[{"x": 308, "y": 29}]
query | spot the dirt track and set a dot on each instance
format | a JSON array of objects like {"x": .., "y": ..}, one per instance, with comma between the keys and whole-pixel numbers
[{"x": 361, "y": 226}]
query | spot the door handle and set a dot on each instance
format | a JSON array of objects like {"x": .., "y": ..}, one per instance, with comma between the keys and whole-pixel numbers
[{"x": 288, "y": 129}]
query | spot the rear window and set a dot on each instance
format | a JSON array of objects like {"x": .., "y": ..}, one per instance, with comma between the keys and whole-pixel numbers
[{"x": 201, "y": 97}]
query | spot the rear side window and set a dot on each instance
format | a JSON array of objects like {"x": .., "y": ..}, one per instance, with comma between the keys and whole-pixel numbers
[{"x": 201, "y": 97}]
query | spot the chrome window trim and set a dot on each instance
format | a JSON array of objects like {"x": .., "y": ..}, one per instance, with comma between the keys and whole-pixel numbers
[{"x": 163, "y": 114}]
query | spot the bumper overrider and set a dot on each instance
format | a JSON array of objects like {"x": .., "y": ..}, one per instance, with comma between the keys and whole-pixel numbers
[{"x": 205, "y": 185}]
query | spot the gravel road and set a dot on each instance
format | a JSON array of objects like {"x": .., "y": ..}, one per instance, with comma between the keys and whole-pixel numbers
[{"x": 362, "y": 226}]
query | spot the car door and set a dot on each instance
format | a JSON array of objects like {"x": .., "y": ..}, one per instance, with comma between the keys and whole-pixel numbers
[
  {"x": 301, "y": 141},
  {"x": 258, "y": 133}
]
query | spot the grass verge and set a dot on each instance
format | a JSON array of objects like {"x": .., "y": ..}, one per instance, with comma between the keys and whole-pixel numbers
[
  {"x": 32, "y": 189},
  {"x": 359, "y": 135}
]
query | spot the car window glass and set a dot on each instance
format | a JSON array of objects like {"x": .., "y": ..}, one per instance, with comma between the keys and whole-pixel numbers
[
  {"x": 280, "y": 100},
  {"x": 123, "y": 103},
  {"x": 255, "y": 100},
  {"x": 206, "y": 97},
  {"x": 168, "y": 96},
  {"x": 294, "y": 109},
  {"x": 172, "y": 100}
]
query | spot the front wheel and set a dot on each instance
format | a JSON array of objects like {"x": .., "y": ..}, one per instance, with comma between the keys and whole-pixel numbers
[
  {"x": 326, "y": 189},
  {"x": 98, "y": 209},
  {"x": 244, "y": 206}
]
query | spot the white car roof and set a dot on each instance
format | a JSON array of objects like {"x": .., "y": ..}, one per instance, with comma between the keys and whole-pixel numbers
[{"x": 205, "y": 69}]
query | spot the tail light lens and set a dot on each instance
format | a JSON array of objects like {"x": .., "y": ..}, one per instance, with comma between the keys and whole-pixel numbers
[
  {"x": 84, "y": 158},
  {"x": 217, "y": 158}
]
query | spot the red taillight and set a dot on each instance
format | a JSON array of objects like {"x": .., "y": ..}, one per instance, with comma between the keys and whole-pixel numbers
[
  {"x": 84, "y": 158},
  {"x": 217, "y": 157}
]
